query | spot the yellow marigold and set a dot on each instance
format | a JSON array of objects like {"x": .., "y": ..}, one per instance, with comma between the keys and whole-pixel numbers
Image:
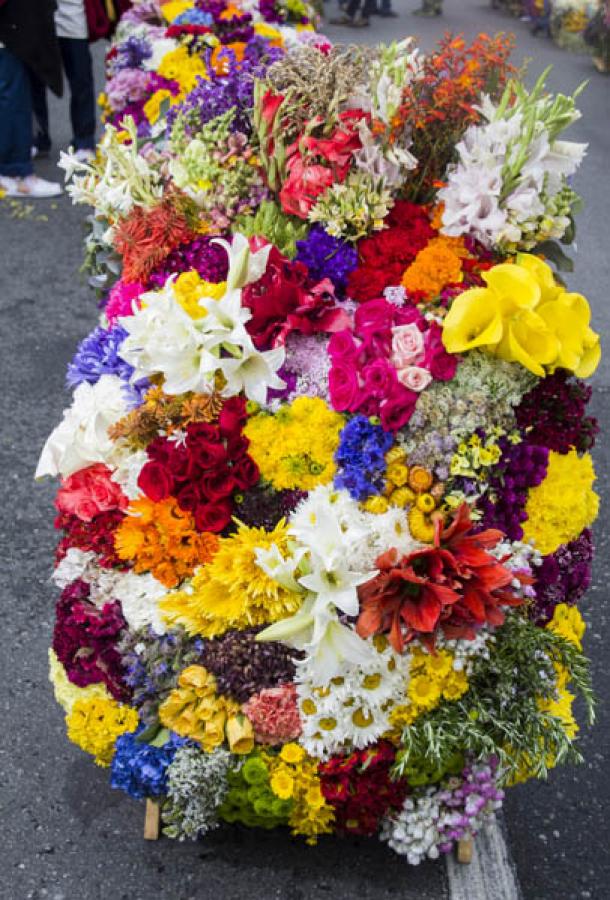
[
  {"x": 67, "y": 693},
  {"x": 436, "y": 266},
  {"x": 95, "y": 723},
  {"x": 232, "y": 591},
  {"x": 295, "y": 447},
  {"x": 161, "y": 538},
  {"x": 568, "y": 622},
  {"x": 564, "y": 504}
]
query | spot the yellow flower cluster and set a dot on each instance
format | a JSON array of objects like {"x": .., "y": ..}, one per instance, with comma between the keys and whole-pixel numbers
[
  {"x": 568, "y": 622},
  {"x": 67, "y": 693},
  {"x": 472, "y": 457},
  {"x": 563, "y": 504},
  {"x": 408, "y": 486},
  {"x": 232, "y": 591},
  {"x": 294, "y": 776},
  {"x": 94, "y": 724},
  {"x": 195, "y": 710},
  {"x": 181, "y": 66},
  {"x": 295, "y": 447},
  {"x": 432, "y": 679},
  {"x": 174, "y": 8},
  {"x": 152, "y": 107},
  {"x": 523, "y": 316},
  {"x": 189, "y": 288}
]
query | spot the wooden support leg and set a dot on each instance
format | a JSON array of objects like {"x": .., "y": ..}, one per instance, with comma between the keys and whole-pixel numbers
[
  {"x": 152, "y": 821},
  {"x": 464, "y": 850}
]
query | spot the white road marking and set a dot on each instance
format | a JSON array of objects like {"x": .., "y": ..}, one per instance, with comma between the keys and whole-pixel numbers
[{"x": 491, "y": 875}]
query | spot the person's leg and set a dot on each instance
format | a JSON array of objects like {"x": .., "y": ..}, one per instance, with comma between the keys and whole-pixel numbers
[
  {"x": 76, "y": 58},
  {"x": 42, "y": 139},
  {"x": 15, "y": 116}
]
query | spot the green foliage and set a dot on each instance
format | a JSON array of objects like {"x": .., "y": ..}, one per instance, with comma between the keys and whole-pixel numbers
[
  {"x": 250, "y": 800},
  {"x": 274, "y": 225},
  {"x": 500, "y": 714}
]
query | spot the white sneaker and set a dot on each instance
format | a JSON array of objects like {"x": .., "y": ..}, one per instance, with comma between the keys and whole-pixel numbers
[
  {"x": 30, "y": 186},
  {"x": 84, "y": 155}
]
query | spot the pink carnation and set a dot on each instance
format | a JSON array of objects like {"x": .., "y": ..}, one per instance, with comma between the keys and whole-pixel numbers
[
  {"x": 90, "y": 492},
  {"x": 274, "y": 714},
  {"x": 121, "y": 299}
]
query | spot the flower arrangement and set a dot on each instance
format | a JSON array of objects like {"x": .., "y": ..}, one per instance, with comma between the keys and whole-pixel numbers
[{"x": 325, "y": 481}]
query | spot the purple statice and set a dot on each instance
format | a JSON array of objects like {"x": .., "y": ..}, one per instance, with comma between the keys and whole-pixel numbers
[
  {"x": 522, "y": 466},
  {"x": 327, "y": 257},
  {"x": 563, "y": 577},
  {"x": 97, "y": 355},
  {"x": 202, "y": 254},
  {"x": 553, "y": 414},
  {"x": 139, "y": 768},
  {"x": 130, "y": 54},
  {"x": 360, "y": 458},
  {"x": 152, "y": 664},
  {"x": 243, "y": 667},
  {"x": 221, "y": 92},
  {"x": 262, "y": 506},
  {"x": 465, "y": 801}
]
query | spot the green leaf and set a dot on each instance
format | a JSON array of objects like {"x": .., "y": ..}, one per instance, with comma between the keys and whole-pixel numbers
[{"x": 553, "y": 252}]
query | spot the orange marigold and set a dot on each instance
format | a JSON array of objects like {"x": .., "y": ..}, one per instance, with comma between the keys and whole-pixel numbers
[
  {"x": 436, "y": 266},
  {"x": 161, "y": 538}
]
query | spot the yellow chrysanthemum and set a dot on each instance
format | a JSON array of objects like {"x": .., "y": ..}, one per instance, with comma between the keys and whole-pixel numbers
[
  {"x": 189, "y": 288},
  {"x": 233, "y": 591},
  {"x": 95, "y": 723},
  {"x": 67, "y": 693},
  {"x": 564, "y": 504},
  {"x": 568, "y": 622},
  {"x": 298, "y": 780},
  {"x": 295, "y": 448},
  {"x": 181, "y": 66}
]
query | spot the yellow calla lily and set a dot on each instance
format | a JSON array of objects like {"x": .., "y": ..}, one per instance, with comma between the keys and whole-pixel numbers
[
  {"x": 568, "y": 318},
  {"x": 543, "y": 274},
  {"x": 472, "y": 321},
  {"x": 528, "y": 341},
  {"x": 513, "y": 286}
]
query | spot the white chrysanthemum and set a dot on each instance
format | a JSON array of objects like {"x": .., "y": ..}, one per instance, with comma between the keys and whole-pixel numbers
[
  {"x": 139, "y": 596},
  {"x": 81, "y": 439}
]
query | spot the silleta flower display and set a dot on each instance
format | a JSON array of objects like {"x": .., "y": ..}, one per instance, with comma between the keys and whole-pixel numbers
[{"x": 325, "y": 481}]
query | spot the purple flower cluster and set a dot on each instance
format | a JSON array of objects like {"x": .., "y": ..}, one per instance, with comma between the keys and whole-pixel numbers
[
  {"x": 466, "y": 801},
  {"x": 563, "y": 577},
  {"x": 152, "y": 665},
  {"x": 521, "y": 467},
  {"x": 130, "y": 54},
  {"x": 97, "y": 355},
  {"x": 262, "y": 506},
  {"x": 327, "y": 257},
  {"x": 208, "y": 258},
  {"x": 244, "y": 667},
  {"x": 553, "y": 414},
  {"x": 232, "y": 90},
  {"x": 85, "y": 640}
]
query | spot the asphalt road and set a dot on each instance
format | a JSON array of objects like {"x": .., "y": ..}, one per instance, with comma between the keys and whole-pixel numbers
[{"x": 67, "y": 835}]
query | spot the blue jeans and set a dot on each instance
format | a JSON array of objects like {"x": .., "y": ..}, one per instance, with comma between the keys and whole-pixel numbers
[
  {"x": 76, "y": 58},
  {"x": 15, "y": 117}
]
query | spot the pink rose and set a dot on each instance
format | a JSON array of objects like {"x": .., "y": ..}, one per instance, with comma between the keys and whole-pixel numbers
[
  {"x": 374, "y": 316},
  {"x": 407, "y": 346},
  {"x": 342, "y": 347},
  {"x": 344, "y": 388},
  {"x": 398, "y": 409},
  {"x": 442, "y": 365},
  {"x": 414, "y": 378},
  {"x": 89, "y": 492},
  {"x": 379, "y": 378},
  {"x": 84, "y": 508}
]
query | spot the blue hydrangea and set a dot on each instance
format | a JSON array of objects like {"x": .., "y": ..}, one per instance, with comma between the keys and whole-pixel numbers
[
  {"x": 327, "y": 257},
  {"x": 360, "y": 458},
  {"x": 194, "y": 17},
  {"x": 140, "y": 769},
  {"x": 97, "y": 355}
]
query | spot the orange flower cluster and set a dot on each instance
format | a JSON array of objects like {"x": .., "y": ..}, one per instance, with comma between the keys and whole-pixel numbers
[
  {"x": 439, "y": 107},
  {"x": 161, "y": 412},
  {"x": 147, "y": 236},
  {"x": 437, "y": 265},
  {"x": 161, "y": 538}
]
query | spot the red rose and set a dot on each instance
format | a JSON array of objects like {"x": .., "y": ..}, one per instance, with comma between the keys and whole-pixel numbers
[
  {"x": 189, "y": 497},
  {"x": 213, "y": 516},
  {"x": 245, "y": 473},
  {"x": 236, "y": 447},
  {"x": 211, "y": 455},
  {"x": 217, "y": 485},
  {"x": 155, "y": 481},
  {"x": 232, "y": 416},
  {"x": 178, "y": 462}
]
